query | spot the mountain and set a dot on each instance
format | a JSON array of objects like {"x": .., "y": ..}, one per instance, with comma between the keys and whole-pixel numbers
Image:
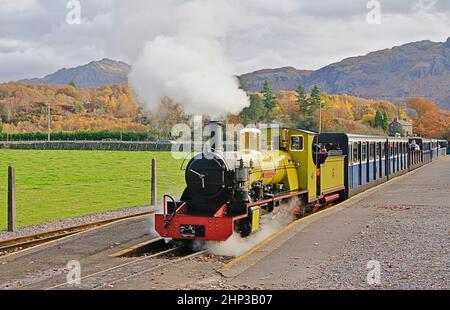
[
  {"x": 411, "y": 70},
  {"x": 406, "y": 71},
  {"x": 287, "y": 78},
  {"x": 94, "y": 74}
]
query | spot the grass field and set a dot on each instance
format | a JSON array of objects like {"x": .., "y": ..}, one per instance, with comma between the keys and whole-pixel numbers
[{"x": 55, "y": 185}]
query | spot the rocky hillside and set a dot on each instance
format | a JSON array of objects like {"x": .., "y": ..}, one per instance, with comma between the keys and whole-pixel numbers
[
  {"x": 94, "y": 74},
  {"x": 411, "y": 70}
]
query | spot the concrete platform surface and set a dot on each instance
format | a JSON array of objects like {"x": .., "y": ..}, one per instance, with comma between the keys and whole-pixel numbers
[{"x": 403, "y": 225}]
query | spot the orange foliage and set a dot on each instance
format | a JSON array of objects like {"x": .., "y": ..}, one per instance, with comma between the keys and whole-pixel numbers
[
  {"x": 24, "y": 107},
  {"x": 430, "y": 121}
]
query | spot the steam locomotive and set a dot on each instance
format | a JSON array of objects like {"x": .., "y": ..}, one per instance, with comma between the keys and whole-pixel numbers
[{"x": 229, "y": 192}]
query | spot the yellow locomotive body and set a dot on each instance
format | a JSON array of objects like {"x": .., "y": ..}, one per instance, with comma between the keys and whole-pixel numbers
[{"x": 233, "y": 190}]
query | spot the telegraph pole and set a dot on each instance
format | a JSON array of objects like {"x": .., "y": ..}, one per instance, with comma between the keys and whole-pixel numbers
[
  {"x": 49, "y": 123},
  {"x": 320, "y": 116}
]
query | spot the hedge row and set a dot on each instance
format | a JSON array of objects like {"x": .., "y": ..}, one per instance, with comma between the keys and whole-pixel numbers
[{"x": 103, "y": 135}]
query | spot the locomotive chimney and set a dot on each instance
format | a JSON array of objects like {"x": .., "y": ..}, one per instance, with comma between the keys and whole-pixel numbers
[{"x": 215, "y": 132}]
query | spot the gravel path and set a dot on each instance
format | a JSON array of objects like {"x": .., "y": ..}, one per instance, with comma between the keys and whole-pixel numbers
[
  {"x": 65, "y": 223},
  {"x": 411, "y": 244}
]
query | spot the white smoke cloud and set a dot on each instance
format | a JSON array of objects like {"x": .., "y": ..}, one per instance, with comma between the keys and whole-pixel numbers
[
  {"x": 191, "y": 66},
  {"x": 270, "y": 224}
]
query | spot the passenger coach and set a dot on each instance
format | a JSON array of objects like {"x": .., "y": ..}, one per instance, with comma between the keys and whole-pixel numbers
[
  {"x": 371, "y": 160},
  {"x": 442, "y": 147}
]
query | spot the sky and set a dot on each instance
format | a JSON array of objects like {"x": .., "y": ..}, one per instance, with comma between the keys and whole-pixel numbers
[{"x": 36, "y": 38}]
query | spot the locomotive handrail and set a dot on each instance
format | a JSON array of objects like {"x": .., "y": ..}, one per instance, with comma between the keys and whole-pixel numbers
[
  {"x": 167, "y": 222},
  {"x": 172, "y": 216},
  {"x": 165, "y": 203}
]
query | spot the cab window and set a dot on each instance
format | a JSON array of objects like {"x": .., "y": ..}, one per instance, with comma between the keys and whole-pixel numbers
[{"x": 296, "y": 143}]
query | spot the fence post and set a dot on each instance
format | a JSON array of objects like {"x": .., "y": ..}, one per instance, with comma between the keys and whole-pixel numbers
[
  {"x": 154, "y": 198},
  {"x": 11, "y": 199}
]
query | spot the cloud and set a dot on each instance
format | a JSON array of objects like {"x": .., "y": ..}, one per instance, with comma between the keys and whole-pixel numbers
[
  {"x": 258, "y": 34},
  {"x": 14, "y": 6}
]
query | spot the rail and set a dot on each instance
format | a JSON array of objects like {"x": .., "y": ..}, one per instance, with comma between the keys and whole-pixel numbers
[{"x": 30, "y": 241}]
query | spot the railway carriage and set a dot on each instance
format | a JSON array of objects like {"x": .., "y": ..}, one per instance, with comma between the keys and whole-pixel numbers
[
  {"x": 442, "y": 147},
  {"x": 370, "y": 160},
  {"x": 434, "y": 149},
  {"x": 426, "y": 151},
  {"x": 415, "y": 153},
  {"x": 398, "y": 156}
]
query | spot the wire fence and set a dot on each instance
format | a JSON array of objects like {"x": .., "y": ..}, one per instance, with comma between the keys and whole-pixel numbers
[{"x": 56, "y": 185}]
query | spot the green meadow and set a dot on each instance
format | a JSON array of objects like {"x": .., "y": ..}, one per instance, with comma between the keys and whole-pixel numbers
[{"x": 53, "y": 185}]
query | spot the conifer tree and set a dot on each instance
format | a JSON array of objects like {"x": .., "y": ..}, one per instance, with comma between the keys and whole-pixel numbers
[{"x": 269, "y": 101}]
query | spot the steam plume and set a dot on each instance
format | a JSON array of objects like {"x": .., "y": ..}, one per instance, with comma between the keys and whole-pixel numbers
[
  {"x": 190, "y": 65},
  {"x": 270, "y": 224}
]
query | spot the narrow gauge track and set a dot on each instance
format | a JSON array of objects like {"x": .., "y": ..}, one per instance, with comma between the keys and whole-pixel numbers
[
  {"x": 167, "y": 255},
  {"x": 21, "y": 243},
  {"x": 158, "y": 258}
]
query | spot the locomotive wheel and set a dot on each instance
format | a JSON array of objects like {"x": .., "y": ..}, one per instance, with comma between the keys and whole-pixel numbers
[
  {"x": 244, "y": 227},
  {"x": 194, "y": 245},
  {"x": 302, "y": 211}
]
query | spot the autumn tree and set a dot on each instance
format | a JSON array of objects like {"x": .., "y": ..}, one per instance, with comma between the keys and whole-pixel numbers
[
  {"x": 255, "y": 112},
  {"x": 78, "y": 108},
  {"x": 310, "y": 108},
  {"x": 429, "y": 121}
]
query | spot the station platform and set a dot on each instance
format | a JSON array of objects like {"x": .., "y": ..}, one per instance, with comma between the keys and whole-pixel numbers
[{"x": 402, "y": 225}]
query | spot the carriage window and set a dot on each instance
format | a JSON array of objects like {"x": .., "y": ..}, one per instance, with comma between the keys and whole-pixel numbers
[
  {"x": 377, "y": 150},
  {"x": 371, "y": 151},
  {"x": 355, "y": 153},
  {"x": 383, "y": 150},
  {"x": 364, "y": 152},
  {"x": 350, "y": 153},
  {"x": 296, "y": 143}
]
